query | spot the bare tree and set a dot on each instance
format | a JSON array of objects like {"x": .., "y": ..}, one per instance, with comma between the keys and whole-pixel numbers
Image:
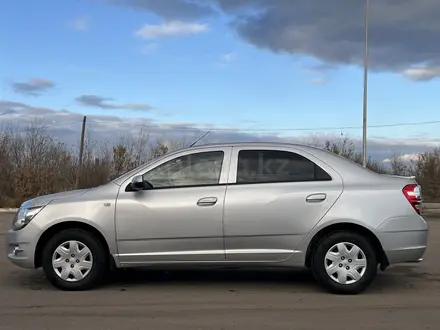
[{"x": 33, "y": 162}]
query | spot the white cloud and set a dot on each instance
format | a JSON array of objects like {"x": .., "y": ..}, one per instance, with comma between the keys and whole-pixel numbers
[
  {"x": 80, "y": 23},
  {"x": 150, "y": 48},
  {"x": 319, "y": 73},
  {"x": 410, "y": 157},
  {"x": 313, "y": 28},
  {"x": 228, "y": 57},
  {"x": 404, "y": 158},
  {"x": 170, "y": 29},
  {"x": 225, "y": 59},
  {"x": 422, "y": 73},
  {"x": 317, "y": 81}
]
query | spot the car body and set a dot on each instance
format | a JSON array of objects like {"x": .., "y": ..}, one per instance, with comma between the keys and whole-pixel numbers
[{"x": 236, "y": 204}]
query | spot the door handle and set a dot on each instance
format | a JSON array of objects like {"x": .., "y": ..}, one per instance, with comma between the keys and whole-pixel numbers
[
  {"x": 207, "y": 201},
  {"x": 314, "y": 198}
]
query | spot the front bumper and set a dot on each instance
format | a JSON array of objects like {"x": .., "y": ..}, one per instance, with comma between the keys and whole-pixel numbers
[{"x": 21, "y": 246}]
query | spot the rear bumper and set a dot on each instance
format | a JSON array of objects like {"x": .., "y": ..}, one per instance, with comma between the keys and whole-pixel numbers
[
  {"x": 412, "y": 254},
  {"x": 404, "y": 239}
]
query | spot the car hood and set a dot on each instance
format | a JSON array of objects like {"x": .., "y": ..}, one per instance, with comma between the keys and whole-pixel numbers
[{"x": 46, "y": 199}]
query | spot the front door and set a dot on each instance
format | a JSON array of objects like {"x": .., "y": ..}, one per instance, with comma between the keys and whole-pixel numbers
[
  {"x": 275, "y": 197},
  {"x": 180, "y": 218}
]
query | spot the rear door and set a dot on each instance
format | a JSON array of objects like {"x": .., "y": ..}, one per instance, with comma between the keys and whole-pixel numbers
[{"x": 275, "y": 196}]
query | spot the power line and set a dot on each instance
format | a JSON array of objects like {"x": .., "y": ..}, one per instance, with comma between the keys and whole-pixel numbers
[
  {"x": 275, "y": 129},
  {"x": 220, "y": 129}
]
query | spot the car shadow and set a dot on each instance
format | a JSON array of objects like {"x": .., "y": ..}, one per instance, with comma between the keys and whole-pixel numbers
[
  {"x": 292, "y": 280},
  {"x": 222, "y": 277},
  {"x": 399, "y": 279}
]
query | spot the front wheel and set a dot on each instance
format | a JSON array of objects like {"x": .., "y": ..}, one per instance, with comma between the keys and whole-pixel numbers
[
  {"x": 344, "y": 263},
  {"x": 74, "y": 260}
]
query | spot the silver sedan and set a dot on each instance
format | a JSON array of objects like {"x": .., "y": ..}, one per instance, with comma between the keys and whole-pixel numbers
[{"x": 241, "y": 205}]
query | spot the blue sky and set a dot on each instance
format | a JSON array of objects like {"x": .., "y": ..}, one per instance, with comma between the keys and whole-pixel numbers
[{"x": 205, "y": 72}]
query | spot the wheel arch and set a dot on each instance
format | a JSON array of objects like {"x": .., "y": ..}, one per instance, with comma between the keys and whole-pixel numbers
[
  {"x": 58, "y": 227},
  {"x": 351, "y": 227}
]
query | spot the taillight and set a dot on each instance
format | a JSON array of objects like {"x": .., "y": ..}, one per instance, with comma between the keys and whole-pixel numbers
[{"x": 413, "y": 194}]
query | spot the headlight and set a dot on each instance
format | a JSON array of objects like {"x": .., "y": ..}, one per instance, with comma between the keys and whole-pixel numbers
[{"x": 24, "y": 216}]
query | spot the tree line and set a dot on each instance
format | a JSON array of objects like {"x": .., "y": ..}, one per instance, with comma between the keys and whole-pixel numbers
[{"x": 34, "y": 163}]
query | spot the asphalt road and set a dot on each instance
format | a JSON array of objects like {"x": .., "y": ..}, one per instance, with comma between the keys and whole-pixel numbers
[{"x": 404, "y": 297}]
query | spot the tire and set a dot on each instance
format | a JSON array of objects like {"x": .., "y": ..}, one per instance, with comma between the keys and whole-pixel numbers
[
  {"x": 93, "y": 263},
  {"x": 351, "y": 268}
]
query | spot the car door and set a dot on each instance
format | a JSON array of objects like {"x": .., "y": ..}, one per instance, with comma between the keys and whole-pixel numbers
[
  {"x": 180, "y": 218},
  {"x": 275, "y": 196}
]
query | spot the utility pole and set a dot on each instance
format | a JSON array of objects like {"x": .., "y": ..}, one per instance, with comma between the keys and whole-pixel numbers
[
  {"x": 81, "y": 151},
  {"x": 364, "y": 135}
]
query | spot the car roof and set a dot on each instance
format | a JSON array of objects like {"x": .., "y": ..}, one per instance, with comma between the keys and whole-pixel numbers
[
  {"x": 249, "y": 144},
  {"x": 311, "y": 149},
  {"x": 348, "y": 169}
]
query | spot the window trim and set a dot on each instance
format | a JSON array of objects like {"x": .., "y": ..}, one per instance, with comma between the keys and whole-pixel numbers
[
  {"x": 227, "y": 152},
  {"x": 229, "y": 166},
  {"x": 233, "y": 173}
]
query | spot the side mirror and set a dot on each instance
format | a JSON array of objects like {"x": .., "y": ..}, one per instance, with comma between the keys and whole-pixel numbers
[{"x": 138, "y": 183}]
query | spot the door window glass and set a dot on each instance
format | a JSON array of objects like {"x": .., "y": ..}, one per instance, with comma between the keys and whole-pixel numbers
[
  {"x": 264, "y": 166},
  {"x": 196, "y": 169}
]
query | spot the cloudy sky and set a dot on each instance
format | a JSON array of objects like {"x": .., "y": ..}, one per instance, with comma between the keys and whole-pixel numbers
[{"x": 245, "y": 69}]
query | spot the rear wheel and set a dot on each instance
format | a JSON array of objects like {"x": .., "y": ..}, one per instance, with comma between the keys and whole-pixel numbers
[
  {"x": 344, "y": 263},
  {"x": 74, "y": 260}
]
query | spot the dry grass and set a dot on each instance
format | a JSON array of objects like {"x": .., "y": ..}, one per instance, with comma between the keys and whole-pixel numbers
[{"x": 33, "y": 163}]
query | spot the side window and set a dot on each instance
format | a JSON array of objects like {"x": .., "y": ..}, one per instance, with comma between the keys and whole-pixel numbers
[
  {"x": 264, "y": 166},
  {"x": 198, "y": 169}
]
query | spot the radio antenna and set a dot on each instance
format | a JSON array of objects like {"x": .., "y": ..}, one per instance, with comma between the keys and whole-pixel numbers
[{"x": 192, "y": 145}]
